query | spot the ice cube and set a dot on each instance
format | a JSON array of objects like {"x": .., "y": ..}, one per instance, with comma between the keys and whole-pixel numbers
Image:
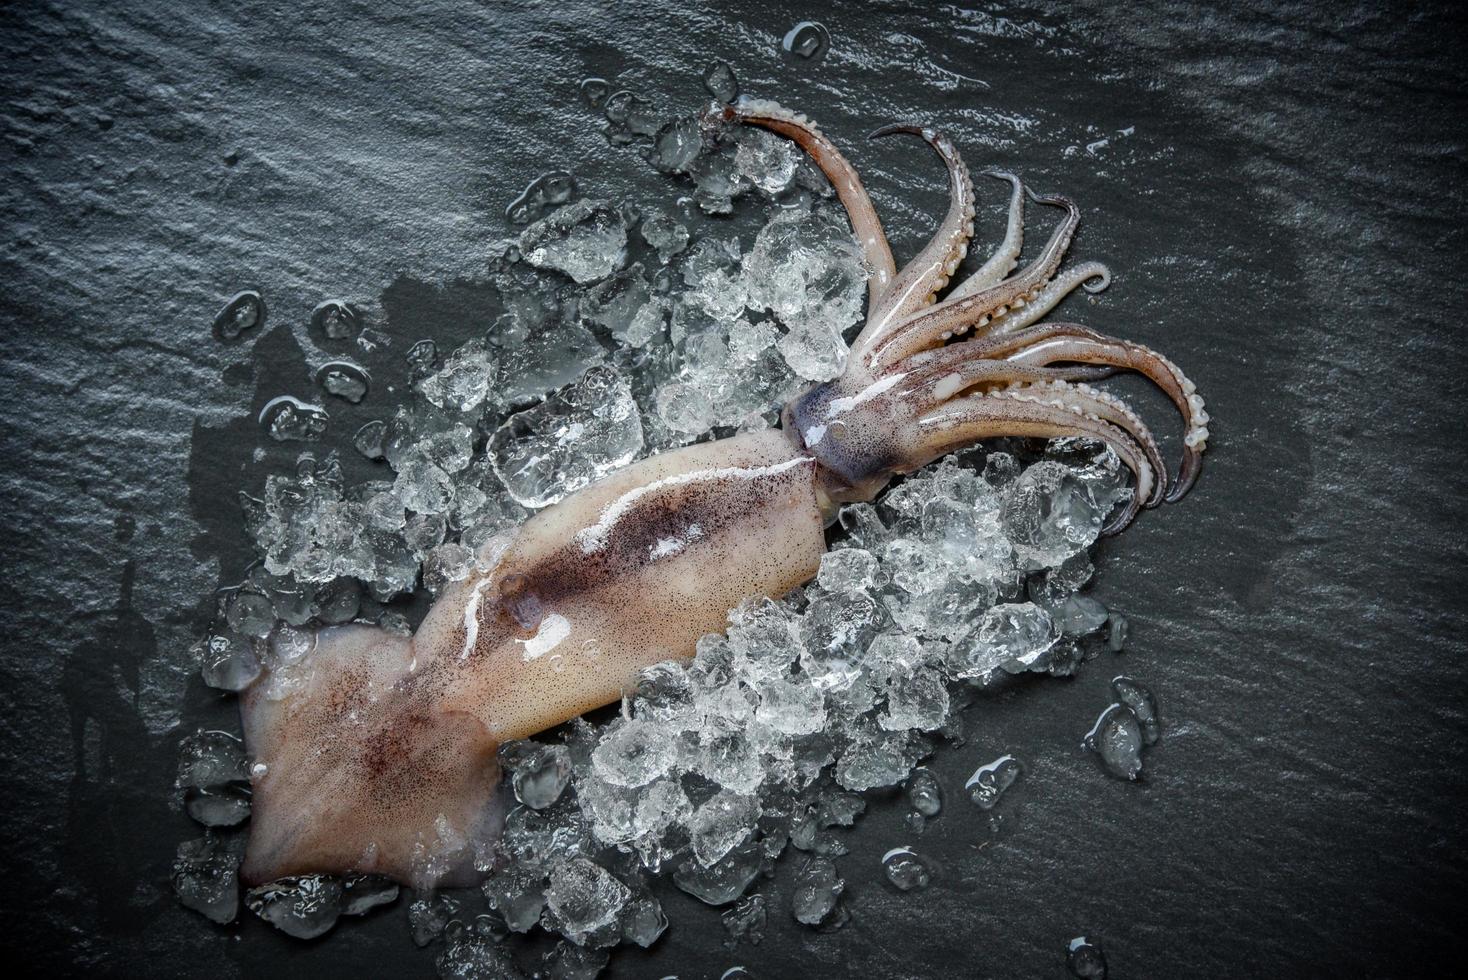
[
  {"x": 726, "y": 879},
  {"x": 643, "y": 920},
  {"x": 817, "y": 887},
  {"x": 518, "y": 894},
  {"x": 540, "y": 773},
  {"x": 304, "y": 906},
  {"x": 634, "y": 754},
  {"x": 464, "y": 380},
  {"x": 745, "y": 921},
  {"x": 206, "y": 876},
  {"x": 721, "y": 823},
  {"x": 585, "y": 240},
  {"x": 584, "y": 898},
  {"x": 578, "y": 433},
  {"x": 664, "y": 233}
]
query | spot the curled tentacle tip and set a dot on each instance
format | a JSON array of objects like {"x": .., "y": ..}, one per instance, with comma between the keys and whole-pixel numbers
[
  {"x": 1003, "y": 175},
  {"x": 1098, "y": 280},
  {"x": 1187, "y": 475}
]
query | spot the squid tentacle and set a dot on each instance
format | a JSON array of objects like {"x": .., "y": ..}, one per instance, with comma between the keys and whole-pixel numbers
[
  {"x": 1073, "y": 342},
  {"x": 1006, "y": 256},
  {"x": 876, "y": 252},
  {"x": 1093, "y": 277},
  {"x": 1015, "y": 413},
  {"x": 917, "y": 283},
  {"x": 939, "y": 383},
  {"x": 936, "y": 324}
]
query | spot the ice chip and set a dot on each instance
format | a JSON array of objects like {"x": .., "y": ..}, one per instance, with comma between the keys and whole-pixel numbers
[
  {"x": 915, "y": 699},
  {"x": 584, "y": 240},
  {"x": 664, "y": 233},
  {"x": 584, "y": 897},
  {"x": 745, "y": 921},
  {"x": 847, "y": 568},
  {"x": 726, "y": 879},
  {"x": 228, "y": 661},
  {"x": 767, "y": 160},
  {"x": 643, "y": 920},
  {"x": 304, "y": 906},
  {"x": 634, "y": 754},
  {"x": 464, "y": 380},
  {"x": 518, "y": 894},
  {"x": 817, "y": 887},
  {"x": 206, "y": 877},
  {"x": 363, "y": 893},
  {"x": 1015, "y": 636},
  {"x": 721, "y": 823},
  {"x": 539, "y": 773}
]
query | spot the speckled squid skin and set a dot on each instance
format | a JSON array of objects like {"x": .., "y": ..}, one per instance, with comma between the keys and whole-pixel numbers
[{"x": 388, "y": 757}]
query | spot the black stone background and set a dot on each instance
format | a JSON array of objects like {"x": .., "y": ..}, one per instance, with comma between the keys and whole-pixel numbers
[{"x": 1286, "y": 221}]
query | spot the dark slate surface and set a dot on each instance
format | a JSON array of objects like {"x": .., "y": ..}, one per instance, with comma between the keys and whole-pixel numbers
[{"x": 1285, "y": 214}]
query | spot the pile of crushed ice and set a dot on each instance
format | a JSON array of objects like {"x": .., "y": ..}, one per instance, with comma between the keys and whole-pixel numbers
[{"x": 614, "y": 345}]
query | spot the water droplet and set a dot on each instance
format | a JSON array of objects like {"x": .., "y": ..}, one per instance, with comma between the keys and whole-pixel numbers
[
  {"x": 1085, "y": 959},
  {"x": 335, "y": 320},
  {"x": 808, "y": 41},
  {"x": 344, "y": 380},
  {"x": 594, "y": 92},
  {"x": 1117, "y": 739},
  {"x": 720, "y": 82},
  {"x": 924, "y": 793},
  {"x": 549, "y": 189},
  {"x": 258, "y": 770},
  {"x": 906, "y": 869},
  {"x": 289, "y": 419},
  {"x": 618, "y": 105},
  {"x": 591, "y": 649},
  {"x": 1137, "y": 697},
  {"x": 557, "y": 662},
  {"x": 989, "y": 782},
  {"x": 369, "y": 439},
  {"x": 244, "y": 311}
]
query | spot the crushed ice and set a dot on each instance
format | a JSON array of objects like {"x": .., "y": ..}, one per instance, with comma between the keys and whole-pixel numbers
[{"x": 614, "y": 345}]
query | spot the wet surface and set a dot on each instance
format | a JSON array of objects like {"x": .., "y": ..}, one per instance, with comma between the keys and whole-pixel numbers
[{"x": 1279, "y": 192}]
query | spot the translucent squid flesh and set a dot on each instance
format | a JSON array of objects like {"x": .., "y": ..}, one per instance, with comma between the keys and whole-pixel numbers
[{"x": 385, "y": 760}]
